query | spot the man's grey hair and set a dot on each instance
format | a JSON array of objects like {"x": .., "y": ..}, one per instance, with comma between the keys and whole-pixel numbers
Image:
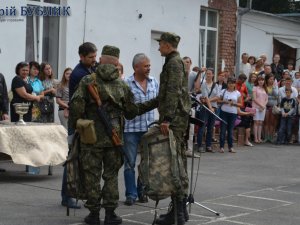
[{"x": 138, "y": 58}]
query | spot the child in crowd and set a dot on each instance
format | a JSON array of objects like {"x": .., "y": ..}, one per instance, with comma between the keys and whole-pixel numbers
[
  {"x": 259, "y": 102},
  {"x": 288, "y": 108}
]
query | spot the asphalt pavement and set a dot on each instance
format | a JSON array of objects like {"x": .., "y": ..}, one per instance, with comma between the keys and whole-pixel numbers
[{"x": 256, "y": 186}]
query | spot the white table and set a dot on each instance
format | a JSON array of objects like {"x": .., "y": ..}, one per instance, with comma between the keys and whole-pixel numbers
[{"x": 34, "y": 144}]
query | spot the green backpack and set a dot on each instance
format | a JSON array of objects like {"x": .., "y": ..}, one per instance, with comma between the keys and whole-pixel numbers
[
  {"x": 161, "y": 171},
  {"x": 75, "y": 178}
]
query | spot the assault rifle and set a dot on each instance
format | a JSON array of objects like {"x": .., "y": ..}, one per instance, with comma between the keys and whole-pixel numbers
[{"x": 110, "y": 130}]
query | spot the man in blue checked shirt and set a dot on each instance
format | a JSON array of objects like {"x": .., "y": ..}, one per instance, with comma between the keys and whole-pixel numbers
[{"x": 144, "y": 88}]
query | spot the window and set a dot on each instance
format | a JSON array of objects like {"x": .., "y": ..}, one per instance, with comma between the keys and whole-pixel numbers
[
  {"x": 42, "y": 36},
  {"x": 208, "y": 38}
]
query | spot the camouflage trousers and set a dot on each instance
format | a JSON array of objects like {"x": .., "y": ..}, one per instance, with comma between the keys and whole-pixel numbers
[
  {"x": 93, "y": 161},
  {"x": 181, "y": 149}
]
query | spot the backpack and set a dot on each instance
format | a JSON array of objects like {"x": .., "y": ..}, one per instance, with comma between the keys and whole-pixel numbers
[
  {"x": 75, "y": 178},
  {"x": 161, "y": 171}
]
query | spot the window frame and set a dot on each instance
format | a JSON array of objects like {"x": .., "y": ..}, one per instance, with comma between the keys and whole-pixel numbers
[
  {"x": 206, "y": 28},
  {"x": 38, "y": 28}
]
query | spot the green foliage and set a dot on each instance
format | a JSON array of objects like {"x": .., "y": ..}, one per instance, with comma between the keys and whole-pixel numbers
[{"x": 274, "y": 6}]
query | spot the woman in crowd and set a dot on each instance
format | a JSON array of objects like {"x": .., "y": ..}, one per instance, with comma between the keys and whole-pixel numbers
[
  {"x": 252, "y": 61},
  {"x": 246, "y": 120},
  {"x": 259, "y": 102},
  {"x": 290, "y": 70},
  {"x": 37, "y": 87},
  {"x": 230, "y": 100},
  {"x": 121, "y": 71},
  {"x": 22, "y": 92},
  {"x": 250, "y": 84},
  {"x": 211, "y": 91},
  {"x": 270, "y": 119},
  {"x": 259, "y": 66},
  {"x": 221, "y": 81},
  {"x": 47, "y": 106},
  {"x": 62, "y": 98}
]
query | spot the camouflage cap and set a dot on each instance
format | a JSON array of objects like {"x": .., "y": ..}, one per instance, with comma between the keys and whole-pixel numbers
[
  {"x": 110, "y": 50},
  {"x": 171, "y": 38}
]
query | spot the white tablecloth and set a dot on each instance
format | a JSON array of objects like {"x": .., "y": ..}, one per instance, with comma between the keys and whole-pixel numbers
[{"x": 34, "y": 144}]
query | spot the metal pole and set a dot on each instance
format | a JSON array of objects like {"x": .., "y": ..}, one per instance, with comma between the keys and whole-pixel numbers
[{"x": 238, "y": 35}]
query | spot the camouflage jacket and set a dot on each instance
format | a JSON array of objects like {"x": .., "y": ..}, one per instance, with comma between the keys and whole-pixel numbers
[
  {"x": 173, "y": 100},
  {"x": 116, "y": 97}
]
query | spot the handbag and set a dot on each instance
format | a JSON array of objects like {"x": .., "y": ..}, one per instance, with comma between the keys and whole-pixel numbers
[
  {"x": 276, "y": 110},
  {"x": 250, "y": 109},
  {"x": 46, "y": 106}
]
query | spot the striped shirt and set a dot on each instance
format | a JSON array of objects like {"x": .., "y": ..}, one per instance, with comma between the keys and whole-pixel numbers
[{"x": 140, "y": 123}]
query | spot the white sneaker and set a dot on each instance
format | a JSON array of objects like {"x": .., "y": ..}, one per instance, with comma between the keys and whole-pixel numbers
[{"x": 189, "y": 153}]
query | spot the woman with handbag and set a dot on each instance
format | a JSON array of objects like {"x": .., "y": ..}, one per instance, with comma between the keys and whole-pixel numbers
[
  {"x": 271, "y": 119},
  {"x": 62, "y": 98},
  {"x": 230, "y": 100},
  {"x": 259, "y": 102},
  {"x": 210, "y": 96},
  {"x": 47, "y": 105},
  {"x": 37, "y": 86}
]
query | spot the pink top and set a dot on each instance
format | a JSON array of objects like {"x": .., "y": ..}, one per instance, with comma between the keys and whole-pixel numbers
[{"x": 261, "y": 97}]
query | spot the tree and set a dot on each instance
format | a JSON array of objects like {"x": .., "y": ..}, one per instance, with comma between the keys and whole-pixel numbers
[{"x": 274, "y": 6}]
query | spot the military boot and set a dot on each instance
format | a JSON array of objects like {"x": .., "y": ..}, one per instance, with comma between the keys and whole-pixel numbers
[
  {"x": 180, "y": 214},
  {"x": 170, "y": 212},
  {"x": 185, "y": 211},
  {"x": 169, "y": 218},
  {"x": 92, "y": 218},
  {"x": 111, "y": 217}
]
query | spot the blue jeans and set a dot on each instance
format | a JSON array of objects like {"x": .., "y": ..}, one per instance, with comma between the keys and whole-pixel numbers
[
  {"x": 230, "y": 119},
  {"x": 131, "y": 141},
  {"x": 209, "y": 120},
  {"x": 63, "y": 192},
  {"x": 285, "y": 129}
]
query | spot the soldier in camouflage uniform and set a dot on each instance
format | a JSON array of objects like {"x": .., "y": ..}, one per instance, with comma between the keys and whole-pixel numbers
[
  {"x": 173, "y": 104},
  {"x": 119, "y": 102}
]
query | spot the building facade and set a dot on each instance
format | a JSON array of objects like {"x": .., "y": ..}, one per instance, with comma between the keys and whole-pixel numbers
[
  {"x": 271, "y": 34},
  {"x": 207, "y": 30}
]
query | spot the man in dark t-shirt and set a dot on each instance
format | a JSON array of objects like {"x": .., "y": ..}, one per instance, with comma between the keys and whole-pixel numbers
[{"x": 87, "y": 53}]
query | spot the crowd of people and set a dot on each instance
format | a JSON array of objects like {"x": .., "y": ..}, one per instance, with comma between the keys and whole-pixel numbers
[{"x": 263, "y": 99}]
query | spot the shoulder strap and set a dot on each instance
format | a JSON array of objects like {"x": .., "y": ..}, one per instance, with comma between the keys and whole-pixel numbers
[
  {"x": 223, "y": 94},
  {"x": 212, "y": 88},
  {"x": 202, "y": 80}
]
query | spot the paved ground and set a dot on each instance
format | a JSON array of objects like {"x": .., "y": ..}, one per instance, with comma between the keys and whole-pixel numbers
[{"x": 255, "y": 186}]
